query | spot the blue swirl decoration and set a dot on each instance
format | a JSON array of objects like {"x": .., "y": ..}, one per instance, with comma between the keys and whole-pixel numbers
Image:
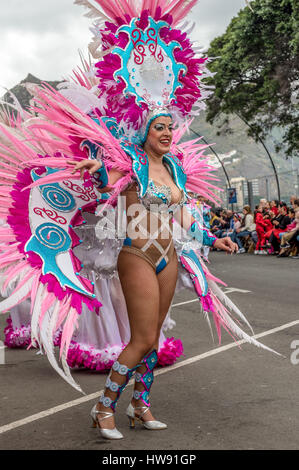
[
  {"x": 93, "y": 149},
  {"x": 53, "y": 237},
  {"x": 48, "y": 241},
  {"x": 54, "y": 195}
]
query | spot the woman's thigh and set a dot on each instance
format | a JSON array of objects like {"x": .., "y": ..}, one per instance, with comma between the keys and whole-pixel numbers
[{"x": 141, "y": 291}]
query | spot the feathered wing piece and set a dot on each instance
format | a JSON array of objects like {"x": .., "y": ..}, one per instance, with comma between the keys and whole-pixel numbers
[
  {"x": 214, "y": 301},
  {"x": 41, "y": 206},
  {"x": 42, "y": 203}
]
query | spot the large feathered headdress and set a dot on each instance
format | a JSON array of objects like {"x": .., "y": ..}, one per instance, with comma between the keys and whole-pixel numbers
[{"x": 148, "y": 64}]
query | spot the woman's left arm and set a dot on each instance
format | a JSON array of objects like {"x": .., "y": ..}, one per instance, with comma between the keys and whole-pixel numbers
[{"x": 203, "y": 235}]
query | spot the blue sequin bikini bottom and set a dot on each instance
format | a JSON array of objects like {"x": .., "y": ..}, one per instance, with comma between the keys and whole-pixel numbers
[{"x": 152, "y": 252}]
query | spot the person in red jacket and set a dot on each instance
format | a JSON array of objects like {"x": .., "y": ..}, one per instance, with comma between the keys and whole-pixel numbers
[
  {"x": 263, "y": 225},
  {"x": 274, "y": 207},
  {"x": 268, "y": 227}
]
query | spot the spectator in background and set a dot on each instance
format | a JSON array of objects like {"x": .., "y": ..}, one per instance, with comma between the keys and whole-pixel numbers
[
  {"x": 206, "y": 214},
  {"x": 229, "y": 217},
  {"x": 292, "y": 199},
  {"x": 274, "y": 207},
  {"x": 295, "y": 238},
  {"x": 237, "y": 224},
  {"x": 247, "y": 227},
  {"x": 262, "y": 226},
  {"x": 288, "y": 235},
  {"x": 263, "y": 203},
  {"x": 295, "y": 204},
  {"x": 223, "y": 226},
  {"x": 214, "y": 220},
  {"x": 280, "y": 223}
]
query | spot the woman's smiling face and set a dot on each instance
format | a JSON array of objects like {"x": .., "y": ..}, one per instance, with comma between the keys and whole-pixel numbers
[{"x": 159, "y": 136}]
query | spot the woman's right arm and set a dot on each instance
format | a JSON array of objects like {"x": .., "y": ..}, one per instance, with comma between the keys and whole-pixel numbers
[
  {"x": 113, "y": 177},
  {"x": 93, "y": 167}
]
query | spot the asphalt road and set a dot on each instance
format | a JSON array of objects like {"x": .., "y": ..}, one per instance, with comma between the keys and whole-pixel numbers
[{"x": 227, "y": 398}]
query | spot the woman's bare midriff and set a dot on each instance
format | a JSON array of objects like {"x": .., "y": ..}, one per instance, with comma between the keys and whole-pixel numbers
[{"x": 145, "y": 226}]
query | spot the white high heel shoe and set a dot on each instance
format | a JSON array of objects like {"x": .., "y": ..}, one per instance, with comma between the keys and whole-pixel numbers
[
  {"x": 152, "y": 425},
  {"x": 106, "y": 433}
]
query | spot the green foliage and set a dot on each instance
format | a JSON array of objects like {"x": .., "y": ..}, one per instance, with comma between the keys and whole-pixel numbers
[{"x": 257, "y": 71}]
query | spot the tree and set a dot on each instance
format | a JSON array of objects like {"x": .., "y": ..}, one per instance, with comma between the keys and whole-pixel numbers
[{"x": 257, "y": 72}]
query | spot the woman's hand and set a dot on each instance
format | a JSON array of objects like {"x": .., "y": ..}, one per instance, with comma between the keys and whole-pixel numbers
[
  {"x": 226, "y": 244},
  {"x": 85, "y": 165}
]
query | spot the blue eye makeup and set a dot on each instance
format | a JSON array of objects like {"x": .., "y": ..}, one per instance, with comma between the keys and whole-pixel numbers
[{"x": 161, "y": 127}]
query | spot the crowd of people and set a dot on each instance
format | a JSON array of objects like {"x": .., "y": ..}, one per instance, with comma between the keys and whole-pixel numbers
[{"x": 271, "y": 229}]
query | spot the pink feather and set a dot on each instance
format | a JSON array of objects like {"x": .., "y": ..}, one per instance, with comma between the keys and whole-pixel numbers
[
  {"x": 64, "y": 309},
  {"x": 68, "y": 330},
  {"x": 46, "y": 304}
]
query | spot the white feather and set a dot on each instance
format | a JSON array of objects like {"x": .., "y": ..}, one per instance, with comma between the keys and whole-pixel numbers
[
  {"x": 65, "y": 366},
  {"x": 234, "y": 328},
  {"x": 207, "y": 318},
  {"x": 36, "y": 312},
  {"x": 84, "y": 99},
  {"x": 222, "y": 296},
  {"x": 13, "y": 282},
  {"x": 94, "y": 12},
  {"x": 47, "y": 335},
  {"x": 16, "y": 297},
  {"x": 169, "y": 323}
]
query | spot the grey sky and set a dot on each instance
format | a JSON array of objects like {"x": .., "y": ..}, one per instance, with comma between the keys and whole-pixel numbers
[{"x": 43, "y": 36}]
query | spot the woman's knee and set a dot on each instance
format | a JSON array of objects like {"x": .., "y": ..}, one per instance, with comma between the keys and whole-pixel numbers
[{"x": 144, "y": 346}]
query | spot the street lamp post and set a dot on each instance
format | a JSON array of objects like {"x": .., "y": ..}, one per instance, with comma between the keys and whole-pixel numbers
[
  {"x": 215, "y": 153},
  {"x": 268, "y": 153}
]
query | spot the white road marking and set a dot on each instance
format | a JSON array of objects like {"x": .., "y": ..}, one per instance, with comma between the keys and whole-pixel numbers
[
  {"x": 184, "y": 303},
  {"x": 229, "y": 290},
  {"x": 94, "y": 396},
  {"x": 234, "y": 289}
]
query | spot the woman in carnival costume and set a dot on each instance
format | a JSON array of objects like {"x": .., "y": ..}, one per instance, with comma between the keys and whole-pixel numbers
[{"x": 119, "y": 138}]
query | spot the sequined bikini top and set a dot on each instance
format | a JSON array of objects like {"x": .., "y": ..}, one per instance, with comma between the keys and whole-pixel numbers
[{"x": 158, "y": 198}]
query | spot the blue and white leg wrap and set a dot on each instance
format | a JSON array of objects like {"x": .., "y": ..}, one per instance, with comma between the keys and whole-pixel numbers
[
  {"x": 147, "y": 378},
  {"x": 114, "y": 386}
]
